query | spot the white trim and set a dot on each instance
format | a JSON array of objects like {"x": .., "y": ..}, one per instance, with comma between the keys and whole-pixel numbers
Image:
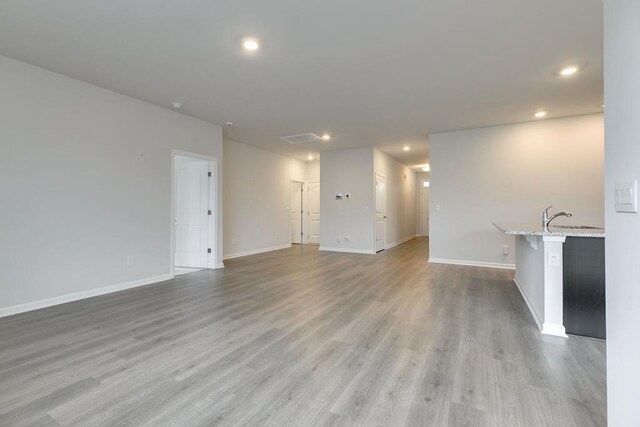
[
  {"x": 307, "y": 218},
  {"x": 557, "y": 239},
  {"x": 554, "y": 329},
  {"x": 220, "y": 265},
  {"x": 257, "y": 251},
  {"x": 473, "y": 263},
  {"x": 533, "y": 311},
  {"x": 22, "y": 308},
  {"x": 399, "y": 242},
  {"x": 375, "y": 209},
  {"x": 215, "y": 217},
  {"x": 347, "y": 250},
  {"x": 302, "y": 208}
]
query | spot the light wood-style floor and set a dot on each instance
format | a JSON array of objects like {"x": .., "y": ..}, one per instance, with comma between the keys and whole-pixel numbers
[{"x": 302, "y": 337}]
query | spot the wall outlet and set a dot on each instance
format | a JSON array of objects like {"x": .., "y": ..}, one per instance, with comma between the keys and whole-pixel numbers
[
  {"x": 438, "y": 208},
  {"x": 131, "y": 261},
  {"x": 553, "y": 259},
  {"x": 338, "y": 239},
  {"x": 505, "y": 250}
]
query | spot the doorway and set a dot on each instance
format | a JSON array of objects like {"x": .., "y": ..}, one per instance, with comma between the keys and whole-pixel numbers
[
  {"x": 313, "y": 212},
  {"x": 424, "y": 207},
  {"x": 381, "y": 212},
  {"x": 193, "y": 212},
  {"x": 296, "y": 211}
]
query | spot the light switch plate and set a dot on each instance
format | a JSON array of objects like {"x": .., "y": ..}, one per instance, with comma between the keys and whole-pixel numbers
[{"x": 626, "y": 196}]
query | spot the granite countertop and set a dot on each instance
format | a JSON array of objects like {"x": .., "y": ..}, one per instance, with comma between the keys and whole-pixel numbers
[{"x": 537, "y": 230}]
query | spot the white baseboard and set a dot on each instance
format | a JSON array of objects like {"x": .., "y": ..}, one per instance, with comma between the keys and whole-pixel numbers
[
  {"x": 554, "y": 329},
  {"x": 473, "y": 263},
  {"x": 347, "y": 250},
  {"x": 399, "y": 242},
  {"x": 22, "y": 308},
  {"x": 533, "y": 311},
  {"x": 220, "y": 265},
  {"x": 256, "y": 251}
]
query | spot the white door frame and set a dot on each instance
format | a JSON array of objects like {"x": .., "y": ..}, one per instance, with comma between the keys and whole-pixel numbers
[
  {"x": 302, "y": 206},
  {"x": 306, "y": 205},
  {"x": 213, "y": 202},
  {"x": 375, "y": 207},
  {"x": 423, "y": 191}
]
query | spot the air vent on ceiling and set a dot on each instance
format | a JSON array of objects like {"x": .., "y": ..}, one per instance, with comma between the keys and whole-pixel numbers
[{"x": 302, "y": 138}]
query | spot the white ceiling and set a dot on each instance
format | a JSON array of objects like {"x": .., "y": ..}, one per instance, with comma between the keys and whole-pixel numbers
[{"x": 370, "y": 72}]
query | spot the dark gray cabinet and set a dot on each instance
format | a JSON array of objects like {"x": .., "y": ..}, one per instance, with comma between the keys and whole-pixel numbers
[{"x": 584, "y": 286}]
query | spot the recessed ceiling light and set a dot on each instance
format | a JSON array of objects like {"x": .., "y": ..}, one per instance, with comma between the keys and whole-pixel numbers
[
  {"x": 326, "y": 137},
  {"x": 251, "y": 44},
  {"x": 601, "y": 105},
  {"x": 426, "y": 168},
  {"x": 310, "y": 157},
  {"x": 540, "y": 114},
  {"x": 569, "y": 71},
  {"x": 177, "y": 105},
  {"x": 406, "y": 148}
]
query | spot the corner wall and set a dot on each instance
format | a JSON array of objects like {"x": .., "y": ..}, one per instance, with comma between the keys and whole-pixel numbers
[
  {"x": 256, "y": 199},
  {"x": 85, "y": 179},
  {"x": 622, "y": 242},
  {"x": 347, "y": 171},
  {"x": 401, "y": 198},
  {"x": 510, "y": 174}
]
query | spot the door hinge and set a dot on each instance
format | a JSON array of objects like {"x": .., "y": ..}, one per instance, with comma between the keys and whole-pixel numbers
[
  {"x": 209, "y": 212},
  {"x": 209, "y": 174},
  {"x": 208, "y": 250}
]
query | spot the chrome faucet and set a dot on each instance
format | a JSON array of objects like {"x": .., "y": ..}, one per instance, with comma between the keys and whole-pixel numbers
[{"x": 546, "y": 220}]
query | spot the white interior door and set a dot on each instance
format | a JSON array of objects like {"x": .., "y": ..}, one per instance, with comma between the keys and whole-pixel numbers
[
  {"x": 313, "y": 228},
  {"x": 296, "y": 212},
  {"x": 424, "y": 211},
  {"x": 381, "y": 213},
  {"x": 192, "y": 212}
]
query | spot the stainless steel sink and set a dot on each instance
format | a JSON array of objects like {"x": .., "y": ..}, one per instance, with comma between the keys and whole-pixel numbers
[{"x": 576, "y": 227}]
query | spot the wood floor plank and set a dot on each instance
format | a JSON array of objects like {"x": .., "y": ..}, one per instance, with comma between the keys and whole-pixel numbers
[{"x": 302, "y": 337}]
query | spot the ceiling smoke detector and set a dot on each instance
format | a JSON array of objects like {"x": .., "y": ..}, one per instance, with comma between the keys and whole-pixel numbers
[{"x": 301, "y": 138}]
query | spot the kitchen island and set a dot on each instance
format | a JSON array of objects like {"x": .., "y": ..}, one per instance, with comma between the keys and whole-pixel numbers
[{"x": 560, "y": 273}]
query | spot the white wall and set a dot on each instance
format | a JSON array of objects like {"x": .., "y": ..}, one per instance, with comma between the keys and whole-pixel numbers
[
  {"x": 622, "y": 242},
  {"x": 530, "y": 274},
  {"x": 256, "y": 198},
  {"x": 313, "y": 171},
  {"x": 347, "y": 171},
  {"x": 401, "y": 197},
  {"x": 85, "y": 183},
  {"x": 510, "y": 174}
]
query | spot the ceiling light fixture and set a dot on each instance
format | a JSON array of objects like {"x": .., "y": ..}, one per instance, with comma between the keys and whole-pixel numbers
[
  {"x": 326, "y": 137},
  {"x": 569, "y": 71},
  {"x": 309, "y": 157},
  {"x": 177, "y": 105},
  {"x": 250, "y": 44},
  {"x": 540, "y": 114},
  {"x": 406, "y": 148},
  {"x": 426, "y": 168}
]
